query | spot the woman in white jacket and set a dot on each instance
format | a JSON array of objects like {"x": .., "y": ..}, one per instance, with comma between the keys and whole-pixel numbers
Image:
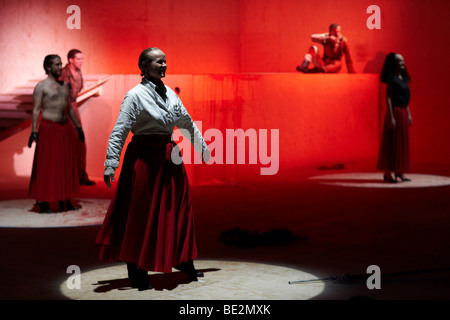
[{"x": 150, "y": 223}]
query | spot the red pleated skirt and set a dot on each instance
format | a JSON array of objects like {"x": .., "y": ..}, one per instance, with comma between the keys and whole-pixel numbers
[
  {"x": 150, "y": 221},
  {"x": 54, "y": 176},
  {"x": 394, "y": 148}
]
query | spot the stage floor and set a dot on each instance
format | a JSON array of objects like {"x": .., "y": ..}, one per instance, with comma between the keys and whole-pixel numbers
[{"x": 346, "y": 220}]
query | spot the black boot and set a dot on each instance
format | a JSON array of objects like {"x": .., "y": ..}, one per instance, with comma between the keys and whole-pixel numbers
[
  {"x": 69, "y": 206},
  {"x": 303, "y": 67},
  {"x": 61, "y": 206},
  {"x": 316, "y": 70},
  {"x": 138, "y": 278},
  {"x": 44, "y": 207},
  {"x": 189, "y": 269}
]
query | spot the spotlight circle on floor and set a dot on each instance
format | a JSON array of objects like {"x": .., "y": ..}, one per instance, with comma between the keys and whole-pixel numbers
[
  {"x": 19, "y": 214},
  {"x": 223, "y": 280},
  {"x": 375, "y": 180}
]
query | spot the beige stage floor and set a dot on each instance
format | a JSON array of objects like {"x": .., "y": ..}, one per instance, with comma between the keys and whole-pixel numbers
[{"x": 346, "y": 220}]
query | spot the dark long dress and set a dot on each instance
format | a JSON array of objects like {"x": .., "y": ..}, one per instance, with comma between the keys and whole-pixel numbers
[
  {"x": 150, "y": 221},
  {"x": 54, "y": 175},
  {"x": 394, "y": 154}
]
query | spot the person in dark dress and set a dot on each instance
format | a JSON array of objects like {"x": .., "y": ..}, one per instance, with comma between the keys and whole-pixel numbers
[
  {"x": 394, "y": 153},
  {"x": 150, "y": 222}
]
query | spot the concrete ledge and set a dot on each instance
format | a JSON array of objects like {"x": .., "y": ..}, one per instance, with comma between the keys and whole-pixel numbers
[{"x": 321, "y": 119}]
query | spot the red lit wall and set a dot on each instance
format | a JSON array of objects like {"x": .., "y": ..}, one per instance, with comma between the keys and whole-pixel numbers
[
  {"x": 275, "y": 36},
  {"x": 314, "y": 128},
  {"x": 203, "y": 37},
  {"x": 200, "y": 36}
]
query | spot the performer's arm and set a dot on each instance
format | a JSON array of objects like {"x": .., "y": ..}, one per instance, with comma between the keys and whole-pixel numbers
[
  {"x": 37, "y": 104},
  {"x": 348, "y": 57},
  {"x": 409, "y": 116},
  {"x": 389, "y": 106},
  {"x": 319, "y": 37},
  {"x": 125, "y": 121},
  {"x": 195, "y": 135},
  {"x": 73, "y": 115}
]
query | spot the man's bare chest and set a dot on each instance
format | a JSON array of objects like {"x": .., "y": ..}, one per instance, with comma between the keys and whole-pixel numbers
[{"x": 55, "y": 92}]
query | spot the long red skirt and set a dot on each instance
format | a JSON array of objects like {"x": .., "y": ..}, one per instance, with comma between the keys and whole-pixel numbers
[
  {"x": 394, "y": 148},
  {"x": 150, "y": 221},
  {"x": 54, "y": 176}
]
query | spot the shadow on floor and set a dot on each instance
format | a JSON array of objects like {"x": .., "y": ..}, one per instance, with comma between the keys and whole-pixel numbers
[{"x": 159, "y": 282}]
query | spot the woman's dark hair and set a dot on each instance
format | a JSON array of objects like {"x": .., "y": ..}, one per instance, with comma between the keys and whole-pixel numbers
[
  {"x": 388, "y": 70},
  {"x": 48, "y": 60},
  {"x": 144, "y": 57}
]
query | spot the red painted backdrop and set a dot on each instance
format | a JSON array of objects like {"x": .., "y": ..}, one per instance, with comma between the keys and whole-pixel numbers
[{"x": 240, "y": 36}]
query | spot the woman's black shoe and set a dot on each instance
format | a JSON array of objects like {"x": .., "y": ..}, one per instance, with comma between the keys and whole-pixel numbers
[
  {"x": 189, "y": 269},
  {"x": 44, "y": 207},
  {"x": 401, "y": 178},
  {"x": 67, "y": 206},
  {"x": 388, "y": 178},
  {"x": 138, "y": 278}
]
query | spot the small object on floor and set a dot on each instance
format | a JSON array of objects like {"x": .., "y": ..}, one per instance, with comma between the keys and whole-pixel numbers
[
  {"x": 334, "y": 278},
  {"x": 337, "y": 166},
  {"x": 344, "y": 279},
  {"x": 244, "y": 238}
]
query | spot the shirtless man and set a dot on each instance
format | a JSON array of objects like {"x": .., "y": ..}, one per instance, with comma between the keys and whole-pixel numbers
[
  {"x": 55, "y": 173},
  {"x": 72, "y": 75}
]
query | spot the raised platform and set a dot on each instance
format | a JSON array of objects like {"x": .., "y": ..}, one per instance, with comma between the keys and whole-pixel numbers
[{"x": 320, "y": 120}]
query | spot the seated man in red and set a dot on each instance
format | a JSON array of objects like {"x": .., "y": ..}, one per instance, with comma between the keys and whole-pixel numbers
[
  {"x": 55, "y": 172},
  {"x": 335, "y": 45}
]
